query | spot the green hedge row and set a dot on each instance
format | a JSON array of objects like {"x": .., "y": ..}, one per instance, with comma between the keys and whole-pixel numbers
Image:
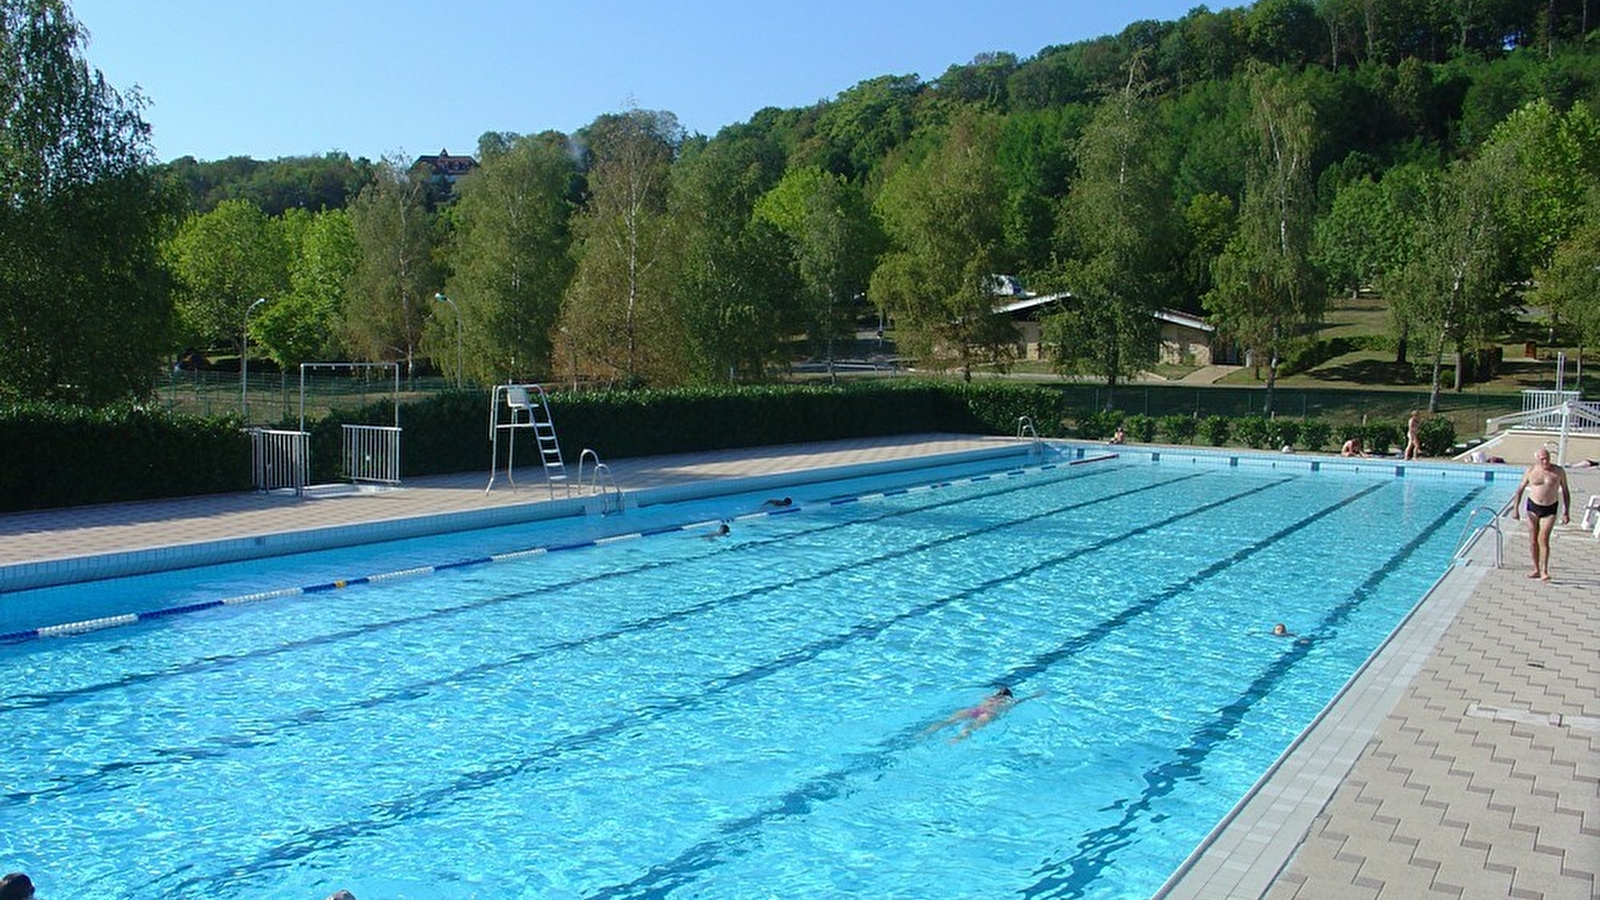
[{"x": 53, "y": 456}]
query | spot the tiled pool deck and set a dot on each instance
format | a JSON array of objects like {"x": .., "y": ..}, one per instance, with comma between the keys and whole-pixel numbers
[{"x": 1464, "y": 761}]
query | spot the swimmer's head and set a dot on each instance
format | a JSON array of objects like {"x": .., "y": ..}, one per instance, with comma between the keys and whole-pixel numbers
[
  {"x": 1280, "y": 629},
  {"x": 1003, "y": 692}
]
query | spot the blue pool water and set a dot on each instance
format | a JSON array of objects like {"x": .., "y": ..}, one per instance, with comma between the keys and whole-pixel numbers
[{"x": 676, "y": 716}]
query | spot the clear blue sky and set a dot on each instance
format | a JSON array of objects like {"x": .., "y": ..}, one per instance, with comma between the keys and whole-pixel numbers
[{"x": 401, "y": 77}]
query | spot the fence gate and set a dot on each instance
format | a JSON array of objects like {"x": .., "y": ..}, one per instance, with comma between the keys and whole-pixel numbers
[
  {"x": 372, "y": 454},
  {"x": 279, "y": 459},
  {"x": 369, "y": 453}
]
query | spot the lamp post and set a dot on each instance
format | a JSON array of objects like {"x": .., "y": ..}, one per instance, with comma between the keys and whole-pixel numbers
[
  {"x": 459, "y": 360},
  {"x": 244, "y": 363}
]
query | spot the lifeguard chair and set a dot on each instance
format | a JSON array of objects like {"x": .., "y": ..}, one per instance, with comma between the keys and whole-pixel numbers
[{"x": 523, "y": 407}]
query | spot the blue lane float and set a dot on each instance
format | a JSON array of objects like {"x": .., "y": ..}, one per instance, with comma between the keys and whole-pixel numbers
[{"x": 87, "y": 625}]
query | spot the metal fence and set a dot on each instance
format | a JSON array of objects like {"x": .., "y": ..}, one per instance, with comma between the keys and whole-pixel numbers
[
  {"x": 279, "y": 460},
  {"x": 372, "y": 454}
]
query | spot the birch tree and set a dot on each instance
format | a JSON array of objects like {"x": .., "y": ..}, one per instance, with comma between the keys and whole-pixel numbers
[{"x": 1265, "y": 289}]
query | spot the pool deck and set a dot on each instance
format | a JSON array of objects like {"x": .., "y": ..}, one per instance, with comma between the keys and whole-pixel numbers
[{"x": 1463, "y": 761}]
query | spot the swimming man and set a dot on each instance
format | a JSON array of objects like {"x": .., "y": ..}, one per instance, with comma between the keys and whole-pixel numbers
[{"x": 1548, "y": 493}]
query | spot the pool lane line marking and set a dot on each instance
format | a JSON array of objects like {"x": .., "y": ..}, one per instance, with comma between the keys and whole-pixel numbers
[
  {"x": 591, "y": 579},
  {"x": 1096, "y": 848},
  {"x": 665, "y": 877},
  {"x": 85, "y": 626},
  {"x": 392, "y": 813}
]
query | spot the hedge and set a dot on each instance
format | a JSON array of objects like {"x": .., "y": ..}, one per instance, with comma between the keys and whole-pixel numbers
[{"x": 54, "y": 456}]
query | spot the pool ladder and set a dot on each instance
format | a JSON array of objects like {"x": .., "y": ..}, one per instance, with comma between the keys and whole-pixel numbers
[
  {"x": 1025, "y": 429},
  {"x": 1469, "y": 535},
  {"x": 599, "y": 481}
]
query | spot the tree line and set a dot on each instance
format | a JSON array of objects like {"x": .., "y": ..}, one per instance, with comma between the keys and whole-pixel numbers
[{"x": 1241, "y": 164}]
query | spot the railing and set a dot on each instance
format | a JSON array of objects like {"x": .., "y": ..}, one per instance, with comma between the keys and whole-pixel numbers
[
  {"x": 1544, "y": 407},
  {"x": 599, "y": 481},
  {"x": 1469, "y": 535},
  {"x": 372, "y": 454},
  {"x": 279, "y": 460}
]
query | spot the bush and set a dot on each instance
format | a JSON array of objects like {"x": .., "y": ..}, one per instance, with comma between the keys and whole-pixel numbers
[
  {"x": 1283, "y": 432},
  {"x": 1252, "y": 431},
  {"x": 1437, "y": 436},
  {"x": 1179, "y": 429},
  {"x": 1380, "y": 437},
  {"x": 1315, "y": 434},
  {"x": 1097, "y": 426},
  {"x": 1141, "y": 428},
  {"x": 1214, "y": 430}
]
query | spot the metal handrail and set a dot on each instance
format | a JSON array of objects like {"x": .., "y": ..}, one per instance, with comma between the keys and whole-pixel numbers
[
  {"x": 1469, "y": 534},
  {"x": 600, "y": 481}
]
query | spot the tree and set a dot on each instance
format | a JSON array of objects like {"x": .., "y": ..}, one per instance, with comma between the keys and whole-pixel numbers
[
  {"x": 943, "y": 215},
  {"x": 302, "y": 326},
  {"x": 223, "y": 261},
  {"x": 1453, "y": 287},
  {"x": 392, "y": 289},
  {"x": 85, "y": 308},
  {"x": 1569, "y": 287},
  {"x": 617, "y": 312},
  {"x": 512, "y": 255},
  {"x": 1115, "y": 213},
  {"x": 1265, "y": 290},
  {"x": 836, "y": 244},
  {"x": 735, "y": 279}
]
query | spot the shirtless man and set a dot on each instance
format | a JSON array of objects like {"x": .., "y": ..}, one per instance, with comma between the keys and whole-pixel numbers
[{"x": 1546, "y": 484}]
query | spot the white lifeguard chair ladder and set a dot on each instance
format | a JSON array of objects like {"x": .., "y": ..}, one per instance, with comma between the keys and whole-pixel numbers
[{"x": 523, "y": 407}]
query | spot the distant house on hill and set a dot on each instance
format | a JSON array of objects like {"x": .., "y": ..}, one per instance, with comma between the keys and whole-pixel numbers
[
  {"x": 444, "y": 168},
  {"x": 1185, "y": 339}
]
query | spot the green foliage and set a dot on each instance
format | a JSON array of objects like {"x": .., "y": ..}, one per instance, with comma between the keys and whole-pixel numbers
[
  {"x": 1254, "y": 431},
  {"x": 1097, "y": 426},
  {"x": 1381, "y": 437},
  {"x": 1215, "y": 430},
  {"x": 1179, "y": 429},
  {"x": 1283, "y": 432},
  {"x": 58, "y": 455},
  {"x": 1315, "y": 434},
  {"x": 1437, "y": 434},
  {"x": 85, "y": 305},
  {"x": 1141, "y": 428}
]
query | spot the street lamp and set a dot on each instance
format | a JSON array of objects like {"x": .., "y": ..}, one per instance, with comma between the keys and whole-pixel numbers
[
  {"x": 459, "y": 362},
  {"x": 244, "y": 363}
]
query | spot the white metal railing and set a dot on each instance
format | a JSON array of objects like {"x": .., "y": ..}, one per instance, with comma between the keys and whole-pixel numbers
[
  {"x": 1548, "y": 403},
  {"x": 279, "y": 459},
  {"x": 372, "y": 453},
  {"x": 1470, "y": 535},
  {"x": 1571, "y": 414},
  {"x": 599, "y": 481}
]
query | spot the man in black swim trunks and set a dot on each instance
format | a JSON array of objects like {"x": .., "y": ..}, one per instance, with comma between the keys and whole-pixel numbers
[{"x": 1546, "y": 485}]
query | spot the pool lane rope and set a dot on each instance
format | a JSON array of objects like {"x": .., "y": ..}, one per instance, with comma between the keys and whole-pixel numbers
[{"x": 705, "y": 526}]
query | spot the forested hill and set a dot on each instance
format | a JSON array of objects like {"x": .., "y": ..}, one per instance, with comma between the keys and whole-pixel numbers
[
  {"x": 1402, "y": 77},
  {"x": 1242, "y": 164}
]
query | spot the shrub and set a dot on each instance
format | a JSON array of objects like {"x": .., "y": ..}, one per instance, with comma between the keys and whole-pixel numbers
[
  {"x": 1179, "y": 429},
  {"x": 1380, "y": 437},
  {"x": 1283, "y": 432},
  {"x": 1315, "y": 434},
  {"x": 1141, "y": 428},
  {"x": 1437, "y": 436},
  {"x": 1214, "y": 430},
  {"x": 1252, "y": 431},
  {"x": 1097, "y": 426}
]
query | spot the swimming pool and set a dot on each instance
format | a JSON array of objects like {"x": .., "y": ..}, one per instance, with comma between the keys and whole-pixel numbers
[{"x": 672, "y": 715}]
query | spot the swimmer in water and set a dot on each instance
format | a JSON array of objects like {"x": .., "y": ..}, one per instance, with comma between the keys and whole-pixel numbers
[{"x": 975, "y": 717}]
